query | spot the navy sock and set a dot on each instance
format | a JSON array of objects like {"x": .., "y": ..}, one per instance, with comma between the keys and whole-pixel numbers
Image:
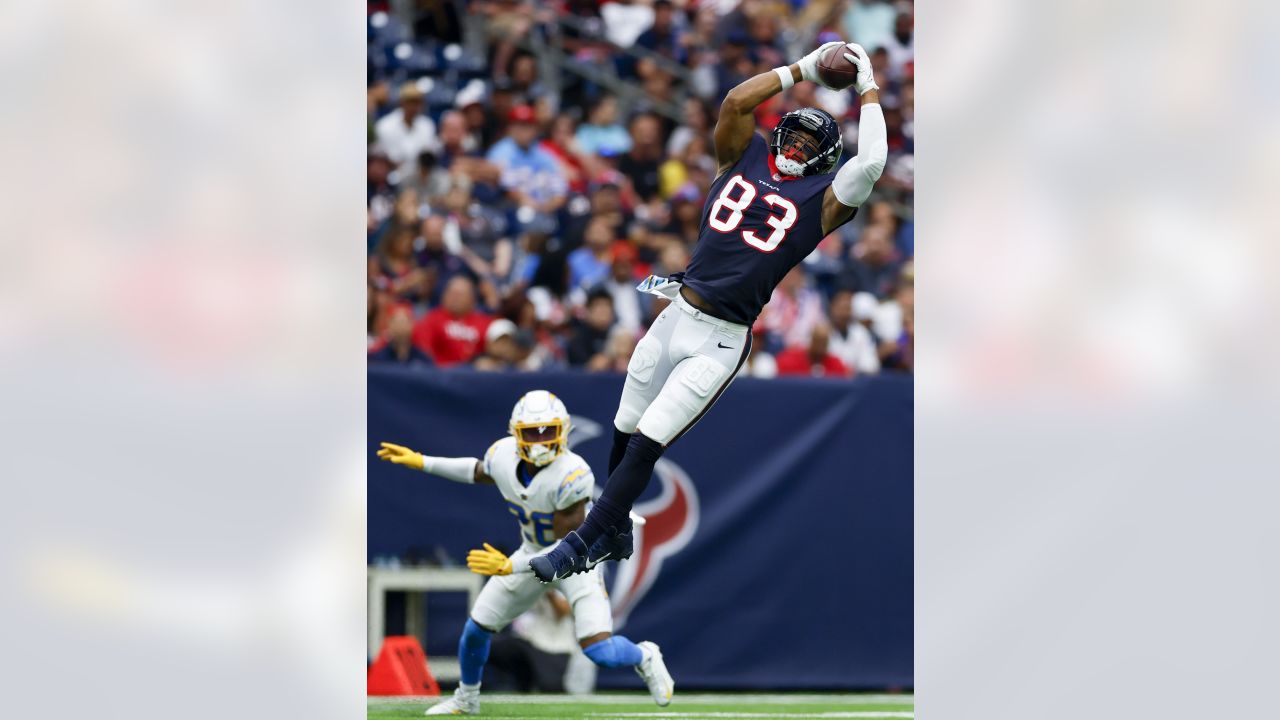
[
  {"x": 620, "y": 440},
  {"x": 473, "y": 652},
  {"x": 625, "y": 484}
]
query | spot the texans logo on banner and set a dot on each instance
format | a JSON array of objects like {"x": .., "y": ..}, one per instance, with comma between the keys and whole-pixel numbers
[{"x": 671, "y": 519}]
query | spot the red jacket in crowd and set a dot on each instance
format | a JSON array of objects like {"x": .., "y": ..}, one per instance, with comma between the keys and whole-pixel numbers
[
  {"x": 450, "y": 340},
  {"x": 795, "y": 361}
]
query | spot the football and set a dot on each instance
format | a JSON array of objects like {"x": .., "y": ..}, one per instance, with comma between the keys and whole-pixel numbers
[{"x": 835, "y": 69}]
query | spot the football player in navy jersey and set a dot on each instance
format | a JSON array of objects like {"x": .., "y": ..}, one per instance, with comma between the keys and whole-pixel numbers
[{"x": 771, "y": 204}]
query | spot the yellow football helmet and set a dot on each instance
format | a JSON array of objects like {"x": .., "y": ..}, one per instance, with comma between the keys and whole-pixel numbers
[{"x": 540, "y": 424}]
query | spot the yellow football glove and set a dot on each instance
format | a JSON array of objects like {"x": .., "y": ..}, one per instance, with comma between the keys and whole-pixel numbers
[
  {"x": 401, "y": 455},
  {"x": 489, "y": 561}
]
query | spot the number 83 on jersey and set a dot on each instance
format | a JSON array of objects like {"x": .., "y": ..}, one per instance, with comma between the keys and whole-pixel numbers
[{"x": 729, "y": 208}]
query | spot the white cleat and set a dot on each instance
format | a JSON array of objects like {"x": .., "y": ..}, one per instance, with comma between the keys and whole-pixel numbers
[
  {"x": 460, "y": 704},
  {"x": 655, "y": 674}
]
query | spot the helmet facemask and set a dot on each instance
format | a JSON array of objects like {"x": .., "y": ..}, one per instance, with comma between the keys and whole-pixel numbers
[
  {"x": 541, "y": 442},
  {"x": 806, "y": 142},
  {"x": 540, "y": 424},
  {"x": 795, "y": 148}
]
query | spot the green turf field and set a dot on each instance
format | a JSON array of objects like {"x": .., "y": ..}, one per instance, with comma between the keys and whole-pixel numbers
[{"x": 689, "y": 706}]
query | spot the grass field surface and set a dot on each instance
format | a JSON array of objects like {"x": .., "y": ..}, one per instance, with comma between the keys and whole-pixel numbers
[{"x": 691, "y": 706}]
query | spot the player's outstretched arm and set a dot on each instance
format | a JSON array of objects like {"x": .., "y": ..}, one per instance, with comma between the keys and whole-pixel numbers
[
  {"x": 737, "y": 120},
  {"x": 853, "y": 182},
  {"x": 463, "y": 470}
]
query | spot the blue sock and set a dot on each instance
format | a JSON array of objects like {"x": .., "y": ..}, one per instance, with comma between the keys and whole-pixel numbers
[
  {"x": 625, "y": 484},
  {"x": 613, "y": 652},
  {"x": 473, "y": 652},
  {"x": 619, "y": 449}
]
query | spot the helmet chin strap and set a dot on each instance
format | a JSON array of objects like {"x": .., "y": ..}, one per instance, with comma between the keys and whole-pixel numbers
[{"x": 787, "y": 166}]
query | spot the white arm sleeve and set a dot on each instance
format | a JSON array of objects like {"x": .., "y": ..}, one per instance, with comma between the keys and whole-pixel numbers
[
  {"x": 853, "y": 182},
  {"x": 461, "y": 470}
]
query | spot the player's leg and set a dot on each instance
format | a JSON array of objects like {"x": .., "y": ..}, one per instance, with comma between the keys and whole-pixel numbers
[
  {"x": 593, "y": 624},
  {"x": 711, "y": 352},
  {"x": 500, "y": 601},
  {"x": 689, "y": 391},
  {"x": 647, "y": 371}
]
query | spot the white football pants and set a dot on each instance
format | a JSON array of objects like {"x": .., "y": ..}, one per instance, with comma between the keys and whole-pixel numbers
[{"x": 678, "y": 370}]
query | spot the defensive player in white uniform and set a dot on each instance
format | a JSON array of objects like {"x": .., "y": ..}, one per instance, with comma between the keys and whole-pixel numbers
[{"x": 547, "y": 488}]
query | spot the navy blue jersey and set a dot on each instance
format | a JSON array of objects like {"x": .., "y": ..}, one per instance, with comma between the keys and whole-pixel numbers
[{"x": 756, "y": 226}]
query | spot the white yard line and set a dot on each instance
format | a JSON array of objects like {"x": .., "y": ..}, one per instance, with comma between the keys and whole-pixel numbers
[
  {"x": 705, "y": 715},
  {"x": 779, "y": 698}
]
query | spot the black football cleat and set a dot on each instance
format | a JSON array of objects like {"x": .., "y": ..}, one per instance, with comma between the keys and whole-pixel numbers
[
  {"x": 613, "y": 545},
  {"x": 568, "y": 557}
]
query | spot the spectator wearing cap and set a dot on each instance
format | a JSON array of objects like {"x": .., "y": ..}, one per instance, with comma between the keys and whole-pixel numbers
[
  {"x": 470, "y": 101},
  {"x": 531, "y": 175},
  {"x": 815, "y": 359},
  {"x": 404, "y": 133},
  {"x": 850, "y": 340},
  {"x": 454, "y": 332},
  {"x": 503, "y": 349},
  {"x": 631, "y": 307},
  {"x": 589, "y": 335},
  {"x": 602, "y": 134},
  {"x": 399, "y": 347},
  {"x": 589, "y": 264}
]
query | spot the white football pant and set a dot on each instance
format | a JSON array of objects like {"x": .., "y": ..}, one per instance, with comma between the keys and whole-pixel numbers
[{"x": 678, "y": 370}]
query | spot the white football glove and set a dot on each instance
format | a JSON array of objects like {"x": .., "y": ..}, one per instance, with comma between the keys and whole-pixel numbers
[
  {"x": 809, "y": 64},
  {"x": 866, "y": 76}
]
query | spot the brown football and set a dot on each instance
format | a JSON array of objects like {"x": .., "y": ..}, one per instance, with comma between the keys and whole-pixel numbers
[{"x": 835, "y": 69}]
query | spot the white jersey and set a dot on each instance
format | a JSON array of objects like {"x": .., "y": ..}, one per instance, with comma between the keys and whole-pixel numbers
[{"x": 559, "y": 484}]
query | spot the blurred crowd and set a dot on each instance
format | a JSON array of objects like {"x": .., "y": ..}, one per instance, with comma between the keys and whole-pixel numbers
[{"x": 529, "y": 163}]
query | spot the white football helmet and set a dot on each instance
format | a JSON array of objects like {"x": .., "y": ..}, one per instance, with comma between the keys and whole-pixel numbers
[{"x": 540, "y": 425}]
